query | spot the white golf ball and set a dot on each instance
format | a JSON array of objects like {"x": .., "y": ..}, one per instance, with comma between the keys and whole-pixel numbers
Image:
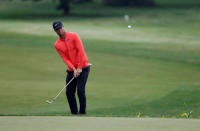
[{"x": 129, "y": 26}]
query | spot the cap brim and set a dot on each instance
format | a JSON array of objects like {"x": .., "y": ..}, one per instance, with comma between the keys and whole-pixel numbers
[{"x": 57, "y": 27}]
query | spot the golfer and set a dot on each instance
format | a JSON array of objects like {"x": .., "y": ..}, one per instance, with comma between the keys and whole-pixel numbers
[{"x": 71, "y": 50}]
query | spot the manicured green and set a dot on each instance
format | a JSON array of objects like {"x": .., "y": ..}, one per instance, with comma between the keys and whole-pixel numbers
[{"x": 152, "y": 68}]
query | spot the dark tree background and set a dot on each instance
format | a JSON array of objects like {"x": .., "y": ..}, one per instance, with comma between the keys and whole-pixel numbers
[
  {"x": 65, "y": 4},
  {"x": 129, "y": 2}
]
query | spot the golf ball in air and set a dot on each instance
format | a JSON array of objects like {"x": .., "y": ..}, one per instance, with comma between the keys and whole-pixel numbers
[{"x": 129, "y": 26}]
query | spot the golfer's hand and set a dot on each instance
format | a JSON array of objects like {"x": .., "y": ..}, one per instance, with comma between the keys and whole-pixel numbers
[
  {"x": 75, "y": 73},
  {"x": 79, "y": 70}
]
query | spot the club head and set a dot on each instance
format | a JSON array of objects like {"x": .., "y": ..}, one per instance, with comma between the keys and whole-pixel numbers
[{"x": 49, "y": 102}]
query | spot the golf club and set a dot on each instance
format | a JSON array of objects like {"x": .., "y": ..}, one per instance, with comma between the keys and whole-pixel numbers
[{"x": 51, "y": 101}]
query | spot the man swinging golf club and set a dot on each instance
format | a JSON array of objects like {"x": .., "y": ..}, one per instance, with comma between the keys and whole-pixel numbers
[{"x": 71, "y": 50}]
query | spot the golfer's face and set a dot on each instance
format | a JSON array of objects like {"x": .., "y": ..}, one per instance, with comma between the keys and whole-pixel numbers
[{"x": 59, "y": 31}]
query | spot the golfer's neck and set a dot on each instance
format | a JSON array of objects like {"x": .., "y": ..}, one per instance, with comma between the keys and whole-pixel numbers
[{"x": 62, "y": 36}]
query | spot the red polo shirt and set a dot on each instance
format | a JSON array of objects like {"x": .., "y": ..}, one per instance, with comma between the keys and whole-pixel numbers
[{"x": 72, "y": 51}]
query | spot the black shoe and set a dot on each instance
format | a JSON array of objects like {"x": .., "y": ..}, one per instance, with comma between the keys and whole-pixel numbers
[
  {"x": 74, "y": 113},
  {"x": 82, "y": 113}
]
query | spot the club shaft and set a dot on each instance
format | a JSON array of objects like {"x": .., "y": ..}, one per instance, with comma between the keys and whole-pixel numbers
[{"x": 63, "y": 88}]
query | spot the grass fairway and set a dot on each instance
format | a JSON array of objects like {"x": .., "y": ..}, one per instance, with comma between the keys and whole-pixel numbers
[
  {"x": 96, "y": 124},
  {"x": 152, "y": 68}
]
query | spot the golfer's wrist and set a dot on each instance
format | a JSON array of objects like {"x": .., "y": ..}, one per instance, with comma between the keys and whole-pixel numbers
[{"x": 79, "y": 69}]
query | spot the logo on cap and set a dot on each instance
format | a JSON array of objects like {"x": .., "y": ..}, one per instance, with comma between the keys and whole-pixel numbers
[{"x": 57, "y": 25}]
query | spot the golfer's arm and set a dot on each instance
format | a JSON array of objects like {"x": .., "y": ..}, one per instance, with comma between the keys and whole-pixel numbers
[
  {"x": 65, "y": 59},
  {"x": 81, "y": 51}
]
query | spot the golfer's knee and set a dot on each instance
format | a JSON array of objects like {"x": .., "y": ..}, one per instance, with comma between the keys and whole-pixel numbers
[{"x": 81, "y": 91}]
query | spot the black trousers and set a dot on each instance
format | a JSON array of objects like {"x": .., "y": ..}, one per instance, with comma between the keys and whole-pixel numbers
[{"x": 79, "y": 84}]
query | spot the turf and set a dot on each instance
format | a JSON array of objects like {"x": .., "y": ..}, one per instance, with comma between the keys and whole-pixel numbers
[
  {"x": 152, "y": 68},
  {"x": 96, "y": 123}
]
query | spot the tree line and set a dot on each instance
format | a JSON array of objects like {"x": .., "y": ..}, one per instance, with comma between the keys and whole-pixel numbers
[{"x": 65, "y": 4}]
